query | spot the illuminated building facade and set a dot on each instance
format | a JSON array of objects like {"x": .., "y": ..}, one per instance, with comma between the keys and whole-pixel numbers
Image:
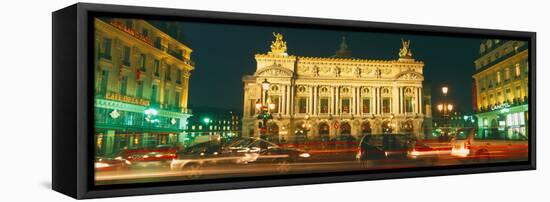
[
  {"x": 213, "y": 122},
  {"x": 501, "y": 89},
  {"x": 335, "y": 97},
  {"x": 141, "y": 86}
]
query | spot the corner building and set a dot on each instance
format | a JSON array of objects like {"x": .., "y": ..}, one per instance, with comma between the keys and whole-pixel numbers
[
  {"x": 338, "y": 96},
  {"x": 141, "y": 86},
  {"x": 501, "y": 89}
]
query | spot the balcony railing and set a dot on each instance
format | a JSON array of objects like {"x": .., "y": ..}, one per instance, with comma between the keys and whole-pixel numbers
[
  {"x": 514, "y": 102},
  {"x": 178, "y": 109},
  {"x": 105, "y": 56},
  {"x": 132, "y": 32},
  {"x": 149, "y": 41}
]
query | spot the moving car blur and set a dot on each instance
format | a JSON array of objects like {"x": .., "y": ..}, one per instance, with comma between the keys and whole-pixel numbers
[
  {"x": 238, "y": 151},
  {"x": 213, "y": 157}
]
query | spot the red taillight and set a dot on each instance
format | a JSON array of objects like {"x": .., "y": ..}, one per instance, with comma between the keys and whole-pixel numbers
[{"x": 466, "y": 145}]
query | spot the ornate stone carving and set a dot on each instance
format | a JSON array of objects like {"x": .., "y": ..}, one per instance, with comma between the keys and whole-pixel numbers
[
  {"x": 357, "y": 72},
  {"x": 278, "y": 47},
  {"x": 274, "y": 71},
  {"x": 405, "y": 52},
  {"x": 386, "y": 71},
  {"x": 378, "y": 73},
  {"x": 410, "y": 76},
  {"x": 315, "y": 71},
  {"x": 337, "y": 71}
]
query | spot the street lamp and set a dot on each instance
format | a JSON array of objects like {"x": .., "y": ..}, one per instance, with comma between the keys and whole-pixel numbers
[
  {"x": 445, "y": 89},
  {"x": 445, "y": 108},
  {"x": 265, "y": 85},
  {"x": 264, "y": 107},
  {"x": 306, "y": 126}
]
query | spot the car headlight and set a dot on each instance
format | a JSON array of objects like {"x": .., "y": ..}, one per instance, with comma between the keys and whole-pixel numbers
[
  {"x": 101, "y": 165},
  {"x": 414, "y": 153},
  {"x": 305, "y": 155}
]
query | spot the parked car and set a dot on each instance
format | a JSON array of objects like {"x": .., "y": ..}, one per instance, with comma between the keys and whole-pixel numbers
[
  {"x": 109, "y": 163},
  {"x": 473, "y": 147}
]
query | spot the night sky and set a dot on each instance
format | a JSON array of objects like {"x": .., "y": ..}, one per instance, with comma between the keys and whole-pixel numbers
[{"x": 224, "y": 53}]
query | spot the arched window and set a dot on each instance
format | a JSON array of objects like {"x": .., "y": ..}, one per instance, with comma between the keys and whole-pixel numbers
[{"x": 324, "y": 131}]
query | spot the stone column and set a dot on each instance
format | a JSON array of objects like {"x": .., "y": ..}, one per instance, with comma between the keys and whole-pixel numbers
[
  {"x": 420, "y": 103},
  {"x": 396, "y": 101},
  {"x": 377, "y": 98},
  {"x": 310, "y": 101},
  {"x": 282, "y": 100},
  {"x": 315, "y": 99},
  {"x": 291, "y": 100},
  {"x": 354, "y": 101},
  {"x": 337, "y": 98},
  {"x": 287, "y": 99},
  {"x": 333, "y": 101}
]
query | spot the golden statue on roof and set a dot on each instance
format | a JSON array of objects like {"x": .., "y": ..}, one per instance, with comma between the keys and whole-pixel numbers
[
  {"x": 278, "y": 47},
  {"x": 405, "y": 51}
]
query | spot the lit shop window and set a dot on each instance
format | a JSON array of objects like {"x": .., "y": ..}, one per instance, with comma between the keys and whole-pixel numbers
[{"x": 521, "y": 116}]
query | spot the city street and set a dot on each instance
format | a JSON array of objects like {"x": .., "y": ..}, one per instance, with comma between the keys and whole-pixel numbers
[{"x": 324, "y": 163}]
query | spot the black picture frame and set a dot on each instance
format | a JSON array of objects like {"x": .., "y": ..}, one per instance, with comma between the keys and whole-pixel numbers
[{"x": 73, "y": 105}]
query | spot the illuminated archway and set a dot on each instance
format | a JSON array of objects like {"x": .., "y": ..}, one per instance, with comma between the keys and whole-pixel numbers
[
  {"x": 386, "y": 127},
  {"x": 324, "y": 131}
]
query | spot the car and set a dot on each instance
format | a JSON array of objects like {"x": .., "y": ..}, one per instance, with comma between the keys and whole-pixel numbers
[
  {"x": 263, "y": 151},
  {"x": 470, "y": 146},
  {"x": 194, "y": 158},
  {"x": 384, "y": 146},
  {"x": 157, "y": 156},
  {"x": 239, "y": 151},
  {"x": 110, "y": 164}
]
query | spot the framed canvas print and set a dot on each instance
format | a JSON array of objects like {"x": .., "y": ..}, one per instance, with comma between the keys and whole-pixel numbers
[{"x": 157, "y": 100}]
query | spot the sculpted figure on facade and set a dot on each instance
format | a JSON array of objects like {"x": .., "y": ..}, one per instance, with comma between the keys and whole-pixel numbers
[
  {"x": 340, "y": 95},
  {"x": 315, "y": 71},
  {"x": 405, "y": 51},
  {"x": 337, "y": 71},
  {"x": 357, "y": 72},
  {"x": 279, "y": 45},
  {"x": 378, "y": 73}
]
